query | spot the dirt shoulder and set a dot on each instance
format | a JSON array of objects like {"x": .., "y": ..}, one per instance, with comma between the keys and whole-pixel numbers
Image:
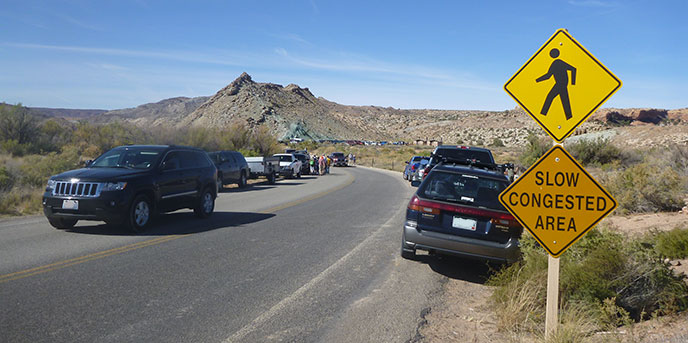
[{"x": 464, "y": 314}]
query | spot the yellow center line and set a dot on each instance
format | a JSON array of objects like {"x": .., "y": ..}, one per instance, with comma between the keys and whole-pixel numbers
[
  {"x": 98, "y": 255},
  {"x": 77, "y": 260}
]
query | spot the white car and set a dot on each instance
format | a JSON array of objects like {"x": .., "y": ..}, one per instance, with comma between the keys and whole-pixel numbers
[{"x": 290, "y": 166}]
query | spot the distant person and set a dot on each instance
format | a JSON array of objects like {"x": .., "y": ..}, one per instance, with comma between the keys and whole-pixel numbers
[
  {"x": 354, "y": 159},
  {"x": 321, "y": 162}
]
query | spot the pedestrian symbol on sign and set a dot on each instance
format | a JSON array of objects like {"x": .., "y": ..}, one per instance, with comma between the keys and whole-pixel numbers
[
  {"x": 561, "y": 85},
  {"x": 559, "y": 69}
]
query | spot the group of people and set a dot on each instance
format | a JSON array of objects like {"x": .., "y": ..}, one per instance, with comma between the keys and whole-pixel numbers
[{"x": 320, "y": 165}]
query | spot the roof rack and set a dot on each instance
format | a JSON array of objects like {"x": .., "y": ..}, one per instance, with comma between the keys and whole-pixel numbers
[{"x": 504, "y": 167}]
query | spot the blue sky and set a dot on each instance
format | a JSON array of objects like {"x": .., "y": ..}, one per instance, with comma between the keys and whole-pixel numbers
[{"x": 404, "y": 54}]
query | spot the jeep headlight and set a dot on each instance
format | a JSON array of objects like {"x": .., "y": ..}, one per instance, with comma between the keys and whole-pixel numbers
[
  {"x": 50, "y": 186},
  {"x": 114, "y": 186}
]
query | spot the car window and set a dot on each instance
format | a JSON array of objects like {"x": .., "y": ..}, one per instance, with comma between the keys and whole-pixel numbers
[
  {"x": 172, "y": 160},
  {"x": 285, "y": 158},
  {"x": 465, "y": 154},
  {"x": 136, "y": 158},
  {"x": 463, "y": 188}
]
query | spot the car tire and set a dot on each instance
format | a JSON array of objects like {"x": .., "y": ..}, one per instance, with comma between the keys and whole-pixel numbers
[
  {"x": 298, "y": 175},
  {"x": 62, "y": 223},
  {"x": 140, "y": 214},
  {"x": 206, "y": 204},
  {"x": 220, "y": 186},
  {"x": 271, "y": 178},
  {"x": 242, "y": 181}
]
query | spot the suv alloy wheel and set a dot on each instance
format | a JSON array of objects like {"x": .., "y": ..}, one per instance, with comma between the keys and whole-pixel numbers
[
  {"x": 242, "y": 180},
  {"x": 206, "y": 204},
  {"x": 139, "y": 214}
]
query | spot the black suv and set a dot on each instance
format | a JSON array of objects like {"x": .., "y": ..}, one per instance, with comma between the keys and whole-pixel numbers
[
  {"x": 456, "y": 211},
  {"x": 463, "y": 154},
  {"x": 231, "y": 168},
  {"x": 128, "y": 184}
]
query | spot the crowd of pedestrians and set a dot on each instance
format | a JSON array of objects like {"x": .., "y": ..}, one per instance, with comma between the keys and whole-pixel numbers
[{"x": 320, "y": 165}]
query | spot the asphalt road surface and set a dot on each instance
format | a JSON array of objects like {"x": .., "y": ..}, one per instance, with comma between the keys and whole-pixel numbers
[{"x": 314, "y": 259}]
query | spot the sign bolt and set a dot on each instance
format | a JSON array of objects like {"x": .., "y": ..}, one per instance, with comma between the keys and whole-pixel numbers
[
  {"x": 559, "y": 127},
  {"x": 555, "y": 242},
  {"x": 556, "y": 159}
]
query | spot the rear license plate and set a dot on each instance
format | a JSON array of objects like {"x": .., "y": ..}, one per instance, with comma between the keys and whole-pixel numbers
[
  {"x": 464, "y": 224},
  {"x": 70, "y": 204}
]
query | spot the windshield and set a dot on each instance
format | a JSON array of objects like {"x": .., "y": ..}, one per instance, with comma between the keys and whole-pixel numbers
[
  {"x": 465, "y": 154},
  {"x": 284, "y": 158},
  {"x": 463, "y": 188},
  {"x": 301, "y": 157},
  {"x": 134, "y": 158}
]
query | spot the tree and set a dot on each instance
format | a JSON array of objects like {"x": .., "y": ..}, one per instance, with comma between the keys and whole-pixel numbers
[{"x": 17, "y": 124}]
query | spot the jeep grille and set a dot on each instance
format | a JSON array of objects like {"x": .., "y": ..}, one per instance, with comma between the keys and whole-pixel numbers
[{"x": 78, "y": 189}]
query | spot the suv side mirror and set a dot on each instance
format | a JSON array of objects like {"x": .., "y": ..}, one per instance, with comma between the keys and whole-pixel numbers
[{"x": 88, "y": 163}]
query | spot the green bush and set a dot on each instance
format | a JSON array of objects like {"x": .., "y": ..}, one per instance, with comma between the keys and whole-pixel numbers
[
  {"x": 535, "y": 148},
  {"x": 595, "y": 152},
  {"x": 647, "y": 187},
  {"x": 604, "y": 274},
  {"x": 37, "y": 169},
  {"x": 672, "y": 244},
  {"x": 497, "y": 143}
]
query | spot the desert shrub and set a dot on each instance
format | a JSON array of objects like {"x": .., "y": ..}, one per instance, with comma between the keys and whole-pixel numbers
[
  {"x": 535, "y": 148},
  {"x": 264, "y": 142},
  {"x": 37, "y": 169},
  {"x": 647, "y": 187},
  {"x": 605, "y": 275},
  {"x": 7, "y": 179},
  {"x": 595, "y": 152},
  {"x": 672, "y": 244},
  {"x": 21, "y": 200},
  {"x": 497, "y": 143},
  {"x": 18, "y": 129}
]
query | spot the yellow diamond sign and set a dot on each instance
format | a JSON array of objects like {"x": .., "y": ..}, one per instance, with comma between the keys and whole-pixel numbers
[
  {"x": 562, "y": 85},
  {"x": 557, "y": 201}
]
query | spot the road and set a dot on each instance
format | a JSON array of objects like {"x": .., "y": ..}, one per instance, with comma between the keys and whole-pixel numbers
[{"x": 314, "y": 259}]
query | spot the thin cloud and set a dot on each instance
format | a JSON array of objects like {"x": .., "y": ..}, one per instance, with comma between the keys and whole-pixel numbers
[
  {"x": 593, "y": 3},
  {"x": 167, "y": 55},
  {"x": 78, "y": 23},
  {"x": 399, "y": 72}
]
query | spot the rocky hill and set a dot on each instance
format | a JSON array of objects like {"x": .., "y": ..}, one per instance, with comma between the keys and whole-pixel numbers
[
  {"x": 166, "y": 112},
  {"x": 293, "y": 111}
]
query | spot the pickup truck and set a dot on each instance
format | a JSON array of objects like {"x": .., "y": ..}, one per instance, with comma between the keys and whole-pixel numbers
[
  {"x": 289, "y": 165},
  {"x": 267, "y": 167}
]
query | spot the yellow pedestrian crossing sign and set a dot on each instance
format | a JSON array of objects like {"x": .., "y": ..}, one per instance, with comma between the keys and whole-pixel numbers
[{"x": 562, "y": 85}]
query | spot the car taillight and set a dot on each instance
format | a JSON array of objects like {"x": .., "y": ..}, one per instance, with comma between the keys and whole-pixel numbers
[
  {"x": 417, "y": 205},
  {"x": 426, "y": 172},
  {"x": 432, "y": 207}
]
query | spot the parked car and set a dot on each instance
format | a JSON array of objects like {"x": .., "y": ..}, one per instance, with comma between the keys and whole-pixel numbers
[
  {"x": 267, "y": 167},
  {"x": 418, "y": 171},
  {"x": 305, "y": 162},
  {"x": 290, "y": 166},
  {"x": 339, "y": 159},
  {"x": 128, "y": 185},
  {"x": 456, "y": 211},
  {"x": 231, "y": 168},
  {"x": 459, "y": 153},
  {"x": 408, "y": 170}
]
